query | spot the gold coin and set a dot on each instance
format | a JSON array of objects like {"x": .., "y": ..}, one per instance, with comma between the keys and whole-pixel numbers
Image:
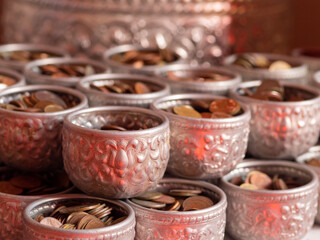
[
  {"x": 279, "y": 65},
  {"x": 248, "y": 186},
  {"x": 150, "y": 196},
  {"x": 53, "y": 108},
  {"x": 43, "y": 104},
  {"x": 197, "y": 203},
  {"x": 186, "y": 111},
  {"x": 175, "y": 206}
]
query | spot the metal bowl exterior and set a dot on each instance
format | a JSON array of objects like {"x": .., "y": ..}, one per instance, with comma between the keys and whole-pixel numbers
[
  {"x": 312, "y": 62},
  {"x": 201, "y": 224},
  {"x": 204, "y": 148},
  {"x": 269, "y": 214},
  {"x": 20, "y": 81},
  {"x": 281, "y": 130},
  {"x": 117, "y": 67},
  {"x": 297, "y": 74},
  {"x": 32, "y": 141},
  {"x": 19, "y": 66},
  {"x": 11, "y": 207},
  {"x": 97, "y": 98},
  {"x": 115, "y": 164},
  {"x": 217, "y": 87},
  {"x": 33, "y": 77},
  {"x": 33, "y": 230},
  {"x": 314, "y": 152},
  {"x": 316, "y": 79}
]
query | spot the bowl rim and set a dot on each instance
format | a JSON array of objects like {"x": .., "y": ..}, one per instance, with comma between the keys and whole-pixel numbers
[
  {"x": 97, "y": 132},
  {"x": 20, "y": 79},
  {"x": 30, "y": 74},
  {"x": 179, "y": 50},
  {"x": 224, "y": 181},
  {"x": 165, "y": 89},
  {"x": 19, "y": 89},
  {"x": 234, "y": 93},
  {"x": 235, "y": 78},
  {"x": 31, "y": 222},
  {"x": 217, "y": 206},
  {"x": 298, "y": 52},
  {"x": 188, "y": 96}
]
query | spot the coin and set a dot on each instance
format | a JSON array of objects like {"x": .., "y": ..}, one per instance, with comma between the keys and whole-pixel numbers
[
  {"x": 260, "y": 180},
  {"x": 197, "y": 203},
  {"x": 79, "y": 208},
  {"x": 226, "y": 105},
  {"x": 165, "y": 199},
  {"x": 68, "y": 70},
  {"x": 249, "y": 186},
  {"x": 112, "y": 128},
  {"x": 184, "y": 192},
  {"x": 141, "y": 88},
  {"x": 186, "y": 111},
  {"x": 313, "y": 162},
  {"x": 150, "y": 195},
  {"x": 51, "y": 222},
  {"x": 26, "y": 56},
  {"x": 279, "y": 65},
  {"x": 7, "y": 187},
  {"x": 25, "y": 181},
  {"x": 148, "y": 204}
]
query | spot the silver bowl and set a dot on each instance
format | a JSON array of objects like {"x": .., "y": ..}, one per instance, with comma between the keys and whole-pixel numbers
[
  {"x": 98, "y": 98},
  {"x": 214, "y": 87},
  {"x": 203, "y": 148},
  {"x": 313, "y": 152},
  {"x": 32, "y": 230},
  {"x": 271, "y": 214},
  {"x": 32, "y": 47},
  {"x": 115, "y": 164},
  {"x": 20, "y": 81},
  {"x": 117, "y": 67},
  {"x": 32, "y": 141},
  {"x": 33, "y": 76},
  {"x": 312, "y": 62},
  {"x": 281, "y": 130},
  {"x": 316, "y": 79},
  {"x": 11, "y": 207},
  {"x": 207, "y": 223},
  {"x": 297, "y": 74}
]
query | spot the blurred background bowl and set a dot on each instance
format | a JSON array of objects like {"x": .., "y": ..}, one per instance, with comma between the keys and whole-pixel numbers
[
  {"x": 281, "y": 130},
  {"x": 32, "y": 141},
  {"x": 99, "y": 98},
  {"x": 19, "y": 79},
  {"x": 115, "y": 164},
  {"x": 203, "y": 148},
  {"x": 271, "y": 214},
  {"x": 208, "y": 223}
]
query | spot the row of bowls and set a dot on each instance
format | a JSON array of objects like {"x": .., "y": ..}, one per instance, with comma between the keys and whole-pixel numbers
[{"x": 246, "y": 214}]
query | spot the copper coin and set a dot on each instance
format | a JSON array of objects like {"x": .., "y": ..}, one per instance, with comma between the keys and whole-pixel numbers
[
  {"x": 260, "y": 180},
  {"x": 197, "y": 203},
  {"x": 79, "y": 208},
  {"x": 51, "y": 222},
  {"x": 150, "y": 195},
  {"x": 112, "y": 128},
  {"x": 165, "y": 199},
  {"x": 7, "y": 187},
  {"x": 184, "y": 192},
  {"x": 53, "y": 108},
  {"x": 175, "y": 206},
  {"x": 25, "y": 181},
  {"x": 141, "y": 88},
  {"x": 148, "y": 204},
  {"x": 226, "y": 105}
]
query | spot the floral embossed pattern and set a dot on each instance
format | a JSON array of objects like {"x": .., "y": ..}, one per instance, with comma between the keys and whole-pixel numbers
[{"x": 115, "y": 166}]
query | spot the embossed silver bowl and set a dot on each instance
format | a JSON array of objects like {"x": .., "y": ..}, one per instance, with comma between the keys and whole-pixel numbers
[
  {"x": 297, "y": 74},
  {"x": 98, "y": 98},
  {"x": 313, "y": 152},
  {"x": 316, "y": 79},
  {"x": 271, "y": 214},
  {"x": 207, "y": 223},
  {"x": 203, "y": 148},
  {"x": 11, "y": 207},
  {"x": 32, "y": 141},
  {"x": 281, "y": 130},
  {"x": 32, "y": 230},
  {"x": 117, "y": 67},
  {"x": 20, "y": 81},
  {"x": 32, "y": 47},
  {"x": 215, "y": 87},
  {"x": 115, "y": 164},
  {"x": 33, "y": 75}
]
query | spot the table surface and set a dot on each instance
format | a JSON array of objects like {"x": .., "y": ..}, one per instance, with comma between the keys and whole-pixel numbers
[{"x": 314, "y": 234}]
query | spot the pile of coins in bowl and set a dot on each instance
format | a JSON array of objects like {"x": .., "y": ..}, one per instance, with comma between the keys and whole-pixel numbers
[
  {"x": 220, "y": 108},
  {"x": 196, "y": 76},
  {"x": 41, "y": 101},
  {"x": 67, "y": 70},
  {"x": 272, "y": 90},
  {"x": 139, "y": 59},
  {"x": 6, "y": 81},
  {"x": 315, "y": 162},
  {"x": 25, "y": 56},
  {"x": 174, "y": 200},
  {"x": 122, "y": 86},
  {"x": 33, "y": 184},
  {"x": 90, "y": 216},
  {"x": 257, "y": 61},
  {"x": 256, "y": 180}
]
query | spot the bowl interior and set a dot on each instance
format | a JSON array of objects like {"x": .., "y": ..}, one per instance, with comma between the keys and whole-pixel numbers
[
  {"x": 123, "y": 118},
  {"x": 187, "y": 74}
]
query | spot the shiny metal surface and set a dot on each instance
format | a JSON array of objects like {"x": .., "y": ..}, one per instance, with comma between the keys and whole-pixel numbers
[
  {"x": 32, "y": 141},
  {"x": 207, "y": 223},
  {"x": 19, "y": 66},
  {"x": 33, "y": 230},
  {"x": 115, "y": 164},
  {"x": 281, "y": 130},
  {"x": 98, "y": 98},
  {"x": 34, "y": 77},
  {"x": 297, "y": 74},
  {"x": 271, "y": 214},
  {"x": 203, "y": 148},
  {"x": 214, "y": 87}
]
